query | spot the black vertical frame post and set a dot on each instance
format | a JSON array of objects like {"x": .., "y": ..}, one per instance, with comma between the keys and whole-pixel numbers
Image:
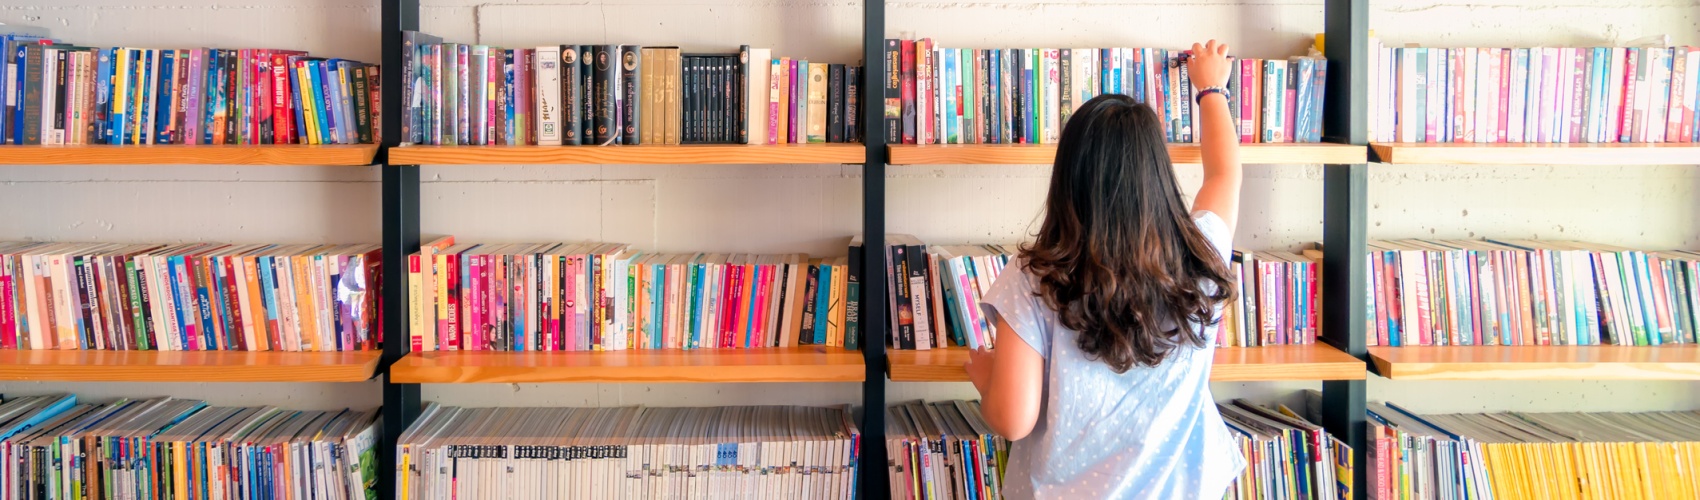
[
  {"x": 400, "y": 239},
  {"x": 872, "y": 475},
  {"x": 1345, "y": 211}
]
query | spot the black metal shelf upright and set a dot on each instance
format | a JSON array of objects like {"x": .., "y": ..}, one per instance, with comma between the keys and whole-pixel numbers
[
  {"x": 1345, "y": 210},
  {"x": 400, "y": 239}
]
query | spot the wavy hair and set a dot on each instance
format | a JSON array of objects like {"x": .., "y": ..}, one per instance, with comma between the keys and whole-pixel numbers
[{"x": 1118, "y": 256}]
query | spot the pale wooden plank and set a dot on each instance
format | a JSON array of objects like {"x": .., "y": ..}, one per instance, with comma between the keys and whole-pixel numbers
[
  {"x": 1538, "y": 154},
  {"x": 1680, "y": 362},
  {"x": 1294, "y": 362},
  {"x": 800, "y": 364},
  {"x": 187, "y": 366},
  {"x": 284, "y": 154},
  {"x": 1045, "y": 154}
]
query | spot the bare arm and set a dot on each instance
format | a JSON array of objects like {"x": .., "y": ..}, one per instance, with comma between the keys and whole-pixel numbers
[
  {"x": 1209, "y": 66},
  {"x": 1008, "y": 378}
]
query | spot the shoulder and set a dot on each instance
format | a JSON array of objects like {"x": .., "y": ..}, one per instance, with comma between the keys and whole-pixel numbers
[{"x": 1215, "y": 231}]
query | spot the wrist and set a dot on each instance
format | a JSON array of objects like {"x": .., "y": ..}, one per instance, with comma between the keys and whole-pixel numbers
[{"x": 1213, "y": 90}]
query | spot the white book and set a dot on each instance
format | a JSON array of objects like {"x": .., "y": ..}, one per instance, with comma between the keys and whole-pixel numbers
[
  {"x": 756, "y": 72},
  {"x": 1374, "y": 88},
  {"x": 1614, "y": 96},
  {"x": 1518, "y": 81},
  {"x": 1691, "y": 90},
  {"x": 1658, "y": 108},
  {"x": 548, "y": 109},
  {"x": 1053, "y": 97}
]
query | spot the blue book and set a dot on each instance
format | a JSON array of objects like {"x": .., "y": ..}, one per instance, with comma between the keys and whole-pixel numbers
[
  {"x": 103, "y": 96},
  {"x": 315, "y": 75},
  {"x": 508, "y": 101},
  {"x": 203, "y": 309},
  {"x": 697, "y": 298},
  {"x": 268, "y": 295},
  {"x": 295, "y": 99},
  {"x": 1139, "y": 64},
  {"x": 823, "y": 302},
  {"x": 330, "y": 74},
  {"x": 218, "y": 289},
  {"x": 163, "y": 91},
  {"x": 180, "y": 297},
  {"x": 345, "y": 99},
  {"x": 145, "y": 97},
  {"x": 42, "y": 414}
]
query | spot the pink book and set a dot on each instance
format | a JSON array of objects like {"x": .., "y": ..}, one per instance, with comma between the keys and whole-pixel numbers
[
  {"x": 758, "y": 329},
  {"x": 192, "y": 97},
  {"x": 8, "y": 323},
  {"x": 476, "y": 296},
  {"x": 773, "y": 83},
  {"x": 1502, "y": 77},
  {"x": 1578, "y": 66},
  {"x": 1248, "y": 77},
  {"x": 569, "y": 305},
  {"x": 1674, "y": 131},
  {"x": 1292, "y": 110}
]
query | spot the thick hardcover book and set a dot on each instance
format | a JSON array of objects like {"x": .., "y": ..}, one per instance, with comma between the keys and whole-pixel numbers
[
  {"x": 561, "y": 84},
  {"x": 605, "y": 94},
  {"x": 34, "y": 68},
  {"x": 648, "y": 132},
  {"x": 587, "y": 95},
  {"x": 893, "y": 92},
  {"x": 674, "y": 117},
  {"x": 835, "y": 103},
  {"x": 632, "y": 90}
]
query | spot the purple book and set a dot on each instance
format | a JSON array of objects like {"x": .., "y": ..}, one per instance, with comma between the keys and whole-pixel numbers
[{"x": 192, "y": 97}]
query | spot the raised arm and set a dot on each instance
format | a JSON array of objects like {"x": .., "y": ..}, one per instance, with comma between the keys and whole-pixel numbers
[{"x": 1209, "y": 67}]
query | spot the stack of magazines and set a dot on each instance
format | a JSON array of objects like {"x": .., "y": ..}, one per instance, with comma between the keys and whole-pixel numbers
[
  {"x": 1521, "y": 455},
  {"x": 1287, "y": 455},
  {"x": 51, "y": 447},
  {"x": 631, "y": 452}
]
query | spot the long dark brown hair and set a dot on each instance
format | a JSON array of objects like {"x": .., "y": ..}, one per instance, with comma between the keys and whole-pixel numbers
[{"x": 1118, "y": 256}]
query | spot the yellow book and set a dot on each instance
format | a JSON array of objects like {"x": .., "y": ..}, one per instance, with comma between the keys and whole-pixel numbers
[
  {"x": 304, "y": 83},
  {"x": 306, "y": 312},
  {"x": 817, "y": 103}
]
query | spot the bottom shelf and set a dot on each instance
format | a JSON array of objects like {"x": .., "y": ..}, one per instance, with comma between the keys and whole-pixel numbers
[
  {"x": 1677, "y": 362},
  {"x": 1232, "y": 364},
  {"x": 188, "y": 366},
  {"x": 785, "y": 364}
]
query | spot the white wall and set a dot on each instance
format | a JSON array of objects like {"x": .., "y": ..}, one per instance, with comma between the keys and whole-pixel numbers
[{"x": 813, "y": 208}]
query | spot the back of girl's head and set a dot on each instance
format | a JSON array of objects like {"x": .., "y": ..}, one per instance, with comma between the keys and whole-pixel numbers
[{"x": 1118, "y": 256}]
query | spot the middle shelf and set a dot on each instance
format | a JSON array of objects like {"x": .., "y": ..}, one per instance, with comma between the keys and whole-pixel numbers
[
  {"x": 1232, "y": 364},
  {"x": 1181, "y": 154},
  {"x": 779, "y": 364}
]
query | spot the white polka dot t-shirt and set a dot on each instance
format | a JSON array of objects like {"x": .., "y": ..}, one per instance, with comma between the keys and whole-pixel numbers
[{"x": 1152, "y": 432}]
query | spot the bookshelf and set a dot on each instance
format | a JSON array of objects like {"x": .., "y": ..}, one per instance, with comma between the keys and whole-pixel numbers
[
  {"x": 1538, "y": 154},
  {"x": 1043, "y": 154},
  {"x": 1232, "y": 364},
  {"x": 1678, "y": 362},
  {"x": 631, "y": 155},
  {"x": 281, "y": 154},
  {"x": 187, "y": 366},
  {"x": 802, "y": 364}
]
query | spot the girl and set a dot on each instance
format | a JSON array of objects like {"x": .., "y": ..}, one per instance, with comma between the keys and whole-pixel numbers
[{"x": 1102, "y": 366}]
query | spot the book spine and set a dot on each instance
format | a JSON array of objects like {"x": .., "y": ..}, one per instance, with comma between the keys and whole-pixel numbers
[
  {"x": 605, "y": 85},
  {"x": 362, "y": 113},
  {"x": 550, "y": 62},
  {"x": 834, "y": 103},
  {"x": 631, "y": 58}
]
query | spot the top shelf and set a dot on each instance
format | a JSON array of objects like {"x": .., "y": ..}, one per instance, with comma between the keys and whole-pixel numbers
[
  {"x": 1045, "y": 154},
  {"x": 1676, "y": 362},
  {"x": 737, "y": 154},
  {"x": 177, "y": 154},
  {"x": 1538, "y": 153}
]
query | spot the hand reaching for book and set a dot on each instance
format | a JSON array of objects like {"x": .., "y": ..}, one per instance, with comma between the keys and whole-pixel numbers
[{"x": 1208, "y": 64}]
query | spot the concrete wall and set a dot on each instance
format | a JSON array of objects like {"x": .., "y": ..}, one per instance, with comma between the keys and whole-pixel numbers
[{"x": 813, "y": 208}]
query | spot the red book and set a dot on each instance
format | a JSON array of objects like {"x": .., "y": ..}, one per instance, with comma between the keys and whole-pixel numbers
[
  {"x": 907, "y": 76},
  {"x": 730, "y": 295},
  {"x": 238, "y": 336},
  {"x": 1455, "y": 68},
  {"x": 283, "y": 118},
  {"x": 1578, "y": 73},
  {"x": 454, "y": 283}
]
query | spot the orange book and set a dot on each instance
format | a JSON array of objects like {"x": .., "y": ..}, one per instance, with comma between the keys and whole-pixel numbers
[{"x": 305, "y": 310}]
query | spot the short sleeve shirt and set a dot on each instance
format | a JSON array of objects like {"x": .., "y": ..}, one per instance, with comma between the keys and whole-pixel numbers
[{"x": 1151, "y": 432}]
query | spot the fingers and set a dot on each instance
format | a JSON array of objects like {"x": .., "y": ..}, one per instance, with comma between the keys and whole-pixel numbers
[
  {"x": 1199, "y": 49},
  {"x": 1222, "y": 50}
]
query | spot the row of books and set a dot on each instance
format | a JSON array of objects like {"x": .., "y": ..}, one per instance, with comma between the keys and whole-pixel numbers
[
  {"x": 628, "y": 452},
  {"x": 1277, "y": 299},
  {"x": 943, "y": 450},
  {"x": 189, "y": 297},
  {"x": 1538, "y": 94},
  {"x": 59, "y": 93},
  {"x": 1519, "y": 292},
  {"x": 937, "y": 95},
  {"x": 936, "y": 292},
  {"x": 461, "y": 94},
  {"x": 52, "y": 447},
  {"x": 607, "y": 297},
  {"x": 1287, "y": 455},
  {"x": 1532, "y": 455}
]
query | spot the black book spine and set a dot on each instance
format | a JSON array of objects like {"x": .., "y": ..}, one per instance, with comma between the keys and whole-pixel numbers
[
  {"x": 631, "y": 58},
  {"x": 59, "y": 88},
  {"x": 835, "y": 103},
  {"x": 687, "y": 107},
  {"x": 852, "y": 99},
  {"x": 232, "y": 115},
  {"x": 34, "y": 69},
  {"x": 362, "y": 110},
  {"x": 411, "y": 131},
  {"x": 1065, "y": 79},
  {"x": 603, "y": 84},
  {"x": 904, "y": 311},
  {"x": 853, "y": 298},
  {"x": 587, "y": 99},
  {"x": 712, "y": 111},
  {"x": 811, "y": 289},
  {"x": 740, "y": 93},
  {"x": 1019, "y": 98},
  {"x": 723, "y": 106},
  {"x": 916, "y": 283},
  {"x": 983, "y": 60},
  {"x": 572, "y": 95},
  {"x": 893, "y": 93}
]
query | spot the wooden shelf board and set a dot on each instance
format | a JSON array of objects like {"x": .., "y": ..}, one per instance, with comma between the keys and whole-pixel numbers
[
  {"x": 187, "y": 366},
  {"x": 1538, "y": 154},
  {"x": 1681, "y": 362},
  {"x": 798, "y": 364},
  {"x": 1045, "y": 154},
  {"x": 590, "y": 155},
  {"x": 284, "y": 154},
  {"x": 1235, "y": 364}
]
